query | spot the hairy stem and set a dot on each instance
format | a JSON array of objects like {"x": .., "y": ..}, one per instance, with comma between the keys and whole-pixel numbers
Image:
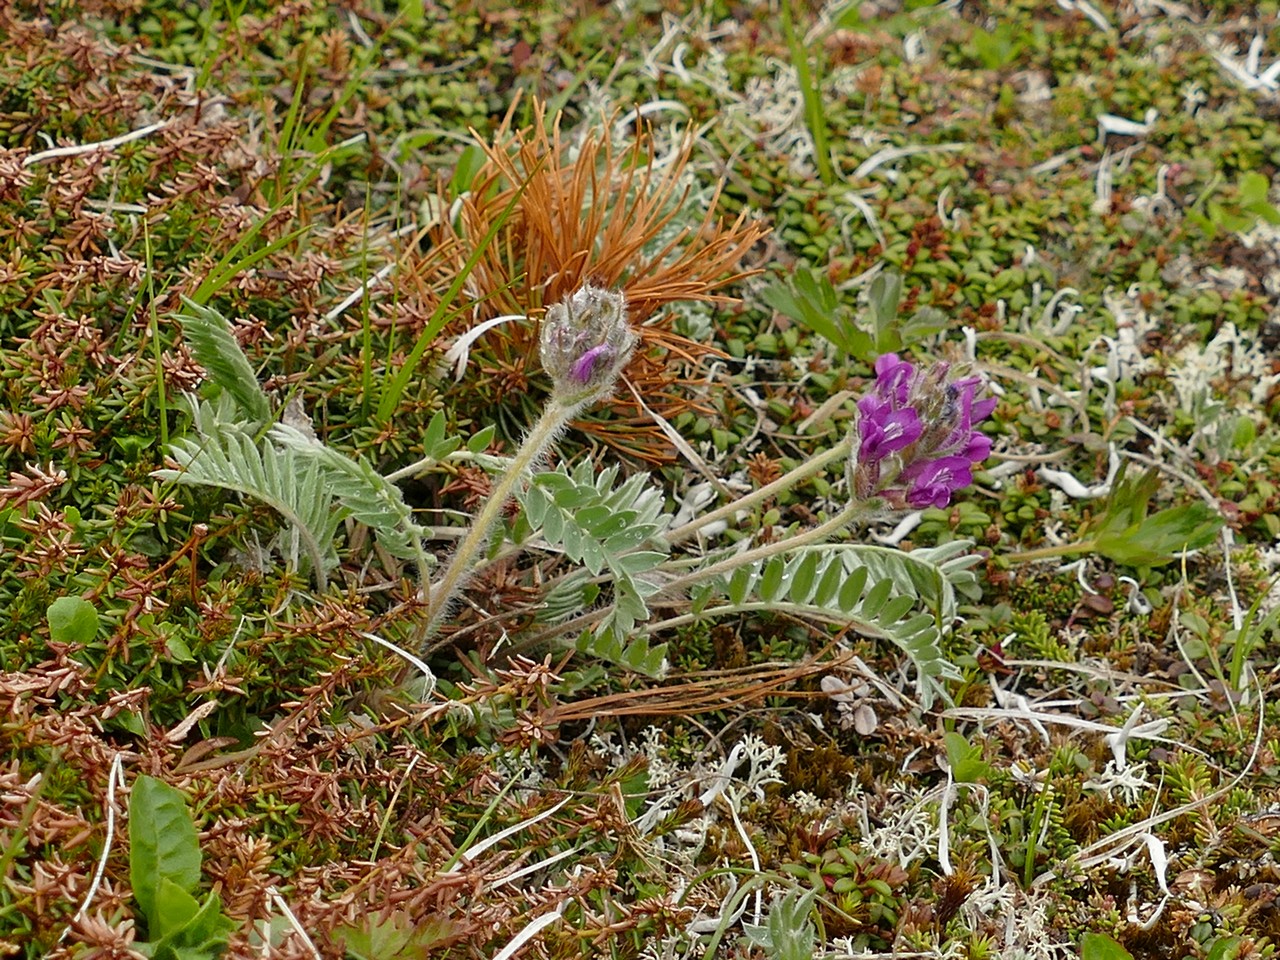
[
  {"x": 791, "y": 478},
  {"x": 554, "y": 417},
  {"x": 821, "y": 532}
]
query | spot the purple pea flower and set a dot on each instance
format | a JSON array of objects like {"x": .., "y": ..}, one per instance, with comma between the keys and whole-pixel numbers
[
  {"x": 918, "y": 440},
  {"x": 886, "y": 430},
  {"x": 930, "y": 483}
]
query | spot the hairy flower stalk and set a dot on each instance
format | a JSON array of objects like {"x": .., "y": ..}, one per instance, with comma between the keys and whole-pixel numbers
[
  {"x": 917, "y": 439},
  {"x": 585, "y": 344}
]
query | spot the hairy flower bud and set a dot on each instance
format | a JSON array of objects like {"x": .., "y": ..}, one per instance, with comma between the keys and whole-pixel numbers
[
  {"x": 917, "y": 438},
  {"x": 586, "y": 341}
]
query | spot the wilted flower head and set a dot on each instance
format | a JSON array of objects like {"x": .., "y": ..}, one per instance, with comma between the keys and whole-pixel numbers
[
  {"x": 586, "y": 341},
  {"x": 917, "y": 438}
]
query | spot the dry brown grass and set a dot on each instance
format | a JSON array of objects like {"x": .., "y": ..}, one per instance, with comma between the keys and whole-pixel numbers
[{"x": 594, "y": 211}]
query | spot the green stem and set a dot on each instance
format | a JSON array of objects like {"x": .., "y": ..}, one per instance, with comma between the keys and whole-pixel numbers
[
  {"x": 554, "y": 417},
  {"x": 810, "y": 91},
  {"x": 486, "y": 461},
  {"x": 791, "y": 478},
  {"x": 1048, "y": 553}
]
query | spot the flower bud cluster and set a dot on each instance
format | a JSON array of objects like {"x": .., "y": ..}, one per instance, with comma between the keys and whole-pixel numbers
[
  {"x": 917, "y": 439},
  {"x": 586, "y": 341}
]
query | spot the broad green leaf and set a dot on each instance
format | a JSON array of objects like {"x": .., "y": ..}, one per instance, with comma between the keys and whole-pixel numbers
[
  {"x": 472, "y": 157},
  {"x": 434, "y": 433},
  {"x": 965, "y": 759},
  {"x": 174, "y": 908},
  {"x": 163, "y": 844},
  {"x": 399, "y": 936},
  {"x": 1098, "y": 946},
  {"x": 1225, "y": 948},
  {"x": 72, "y": 620}
]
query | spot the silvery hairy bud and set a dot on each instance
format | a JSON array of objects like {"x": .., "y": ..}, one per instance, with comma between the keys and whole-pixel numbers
[{"x": 586, "y": 341}]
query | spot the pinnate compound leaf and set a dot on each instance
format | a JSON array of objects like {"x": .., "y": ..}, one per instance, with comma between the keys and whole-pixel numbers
[
  {"x": 1159, "y": 538},
  {"x": 225, "y": 457},
  {"x": 368, "y": 496},
  {"x": 907, "y": 598},
  {"x": 213, "y": 343},
  {"x": 603, "y": 525}
]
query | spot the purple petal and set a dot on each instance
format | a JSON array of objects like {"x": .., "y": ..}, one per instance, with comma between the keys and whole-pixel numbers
[
  {"x": 873, "y": 407},
  {"x": 893, "y": 378},
  {"x": 585, "y": 366},
  {"x": 977, "y": 448},
  {"x": 889, "y": 432},
  {"x": 932, "y": 482}
]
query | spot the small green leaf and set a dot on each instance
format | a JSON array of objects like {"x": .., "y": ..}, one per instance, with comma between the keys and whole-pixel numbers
[
  {"x": 472, "y": 157},
  {"x": 876, "y": 598},
  {"x": 829, "y": 583},
  {"x": 965, "y": 759},
  {"x": 771, "y": 579},
  {"x": 639, "y": 561},
  {"x": 851, "y": 589},
  {"x": 802, "y": 578},
  {"x": 1253, "y": 187},
  {"x": 895, "y": 609},
  {"x": 740, "y": 585},
  {"x": 480, "y": 440},
  {"x": 553, "y": 525},
  {"x": 72, "y": 620},
  {"x": 1224, "y": 948}
]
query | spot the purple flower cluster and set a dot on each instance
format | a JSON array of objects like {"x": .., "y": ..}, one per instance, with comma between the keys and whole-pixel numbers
[{"x": 918, "y": 441}]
